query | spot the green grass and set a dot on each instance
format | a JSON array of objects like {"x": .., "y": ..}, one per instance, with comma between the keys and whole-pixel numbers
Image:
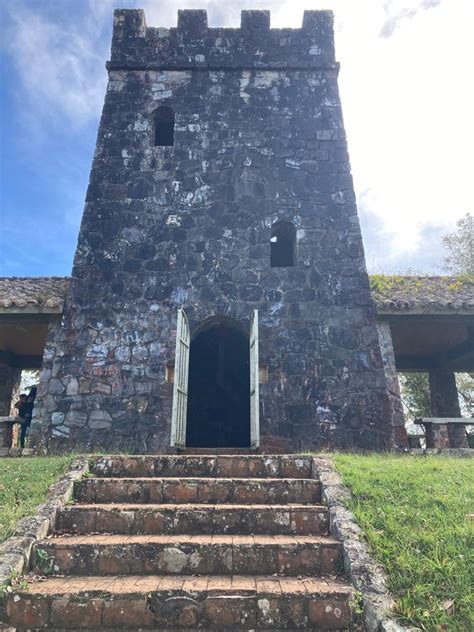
[
  {"x": 414, "y": 513},
  {"x": 23, "y": 486}
]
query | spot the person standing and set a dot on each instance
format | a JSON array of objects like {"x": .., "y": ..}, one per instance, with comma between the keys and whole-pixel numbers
[{"x": 27, "y": 414}]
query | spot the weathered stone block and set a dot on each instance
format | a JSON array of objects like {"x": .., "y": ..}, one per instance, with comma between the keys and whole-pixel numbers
[
  {"x": 114, "y": 521},
  {"x": 27, "y": 611},
  {"x": 57, "y": 419},
  {"x": 100, "y": 419},
  {"x": 76, "y": 418},
  {"x": 329, "y": 614},
  {"x": 180, "y": 491},
  {"x": 127, "y": 612},
  {"x": 81, "y": 614},
  {"x": 309, "y": 520},
  {"x": 231, "y": 610}
]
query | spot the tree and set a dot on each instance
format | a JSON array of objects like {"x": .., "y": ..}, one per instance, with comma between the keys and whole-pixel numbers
[
  {"x": 465, "y": 386},
  {"x": 415, "y": 395},
  {"x": 460, "y": 247}
]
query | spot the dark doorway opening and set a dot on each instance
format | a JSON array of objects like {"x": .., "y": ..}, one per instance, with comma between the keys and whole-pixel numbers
[{"x": 219, "y": 387}]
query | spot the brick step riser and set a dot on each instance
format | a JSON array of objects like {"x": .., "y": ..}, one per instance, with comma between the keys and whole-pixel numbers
[
  {"x": 160, "y": 559},
  {"x": 205, "y": 466},
  {"x": 177, "y": 610},
  {"x": 218, "y": 451},
  {"x": 307, "y": 521},
  {"x": 238, "y": 491},
  {"x": 160, "y": 629},
  {"x": 173, "y": 629}
]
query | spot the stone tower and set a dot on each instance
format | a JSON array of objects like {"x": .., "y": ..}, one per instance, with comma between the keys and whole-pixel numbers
[{"x": 220, "y": 185}]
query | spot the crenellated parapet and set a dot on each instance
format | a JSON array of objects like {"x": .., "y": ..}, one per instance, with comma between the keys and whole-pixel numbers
[{"x": 192, "y": 44}]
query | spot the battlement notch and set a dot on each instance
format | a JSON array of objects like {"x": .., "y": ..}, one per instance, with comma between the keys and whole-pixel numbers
[{"x": 193, "y": 44}]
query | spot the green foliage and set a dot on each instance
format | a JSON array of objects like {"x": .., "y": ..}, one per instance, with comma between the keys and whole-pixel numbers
[
  {"x": 465, "y": 386},
  {"x": 357, "y": 609},
  {"x": 23, "y": 486},
  {"x": 16, "y": 581},
  {"x": 383, "y": 283},
  {"x": 460, "y": 247},
  {"x": 415, "y": 389},
  {"x": 415, "y": 514},
  {"x": 409, "y": 285},
  {"x": 44, "y": 561}
]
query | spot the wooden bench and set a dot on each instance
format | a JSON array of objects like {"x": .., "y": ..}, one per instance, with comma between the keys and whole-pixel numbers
[{"x": 437, "y": 430}]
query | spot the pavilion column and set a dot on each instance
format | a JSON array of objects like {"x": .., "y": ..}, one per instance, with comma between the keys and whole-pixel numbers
[
  {"x": 445, "y": 403},
  {"x": 9, "y": 381},
  {"x": 399, "y": 433}
]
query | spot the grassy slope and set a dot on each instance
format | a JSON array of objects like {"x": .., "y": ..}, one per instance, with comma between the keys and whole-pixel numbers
[
  {"x": 414, "y": 512},
  {"x": 23, "y": 486}
]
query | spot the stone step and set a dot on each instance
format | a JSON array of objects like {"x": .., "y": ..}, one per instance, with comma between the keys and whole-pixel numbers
[
  {"x": 176, "y": 602},
  {"x": 198, "y": 490},
  {"x": 240, "y": 466},
  {"x": 217, "y": 451},
  {"x": 184, "y": 518},
  {"x": 188, "y": 554}
]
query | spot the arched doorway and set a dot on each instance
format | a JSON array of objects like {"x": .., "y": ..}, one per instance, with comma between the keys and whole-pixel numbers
[{"x": 218, "y": 413}]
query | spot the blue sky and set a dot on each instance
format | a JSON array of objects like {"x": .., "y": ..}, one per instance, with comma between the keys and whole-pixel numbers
[{"x": 407, "y": 98}]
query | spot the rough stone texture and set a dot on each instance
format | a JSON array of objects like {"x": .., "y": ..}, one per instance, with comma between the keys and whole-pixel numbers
[
  {"x": 444, "y": 401},
  {"x": 192, "y": 555},
  {"x": 400, "y": 438},
  {"x": 228, "y": 466},
  {"x": 219, "y": 519},
  {"x": 9, "y": 380},
  {"x": 6, "y": 432},
  {"x": 366, "y": 575},
  {"x": 259, "y": 137},
  {"x": 198, "y": 490},
  {"x": 181, "y": 602}
]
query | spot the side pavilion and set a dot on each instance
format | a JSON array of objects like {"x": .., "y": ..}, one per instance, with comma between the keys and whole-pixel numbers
[{"x": 425, "y": 324}]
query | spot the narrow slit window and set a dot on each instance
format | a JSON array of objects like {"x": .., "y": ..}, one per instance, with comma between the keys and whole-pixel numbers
[
  {"x": 164, "y": 127},
  {"x": 283, "y": 245}
]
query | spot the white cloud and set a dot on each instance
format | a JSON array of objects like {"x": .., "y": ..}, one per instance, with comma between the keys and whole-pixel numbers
[
  {"x": 407, "y": 102},
  {"x": 60, "y": 62},
  {"x": 397, "y": 12},
  {"x": 405, "y": 85}
]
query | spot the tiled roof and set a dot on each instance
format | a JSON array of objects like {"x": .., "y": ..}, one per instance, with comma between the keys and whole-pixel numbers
[
  {"x": 422, "y": 293},
  {"x": 39, "y": 293},
  {"x": 391, "y": 293}
]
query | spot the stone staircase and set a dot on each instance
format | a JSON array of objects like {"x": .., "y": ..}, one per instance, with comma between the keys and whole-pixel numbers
[{"x": 189, "y": 542}]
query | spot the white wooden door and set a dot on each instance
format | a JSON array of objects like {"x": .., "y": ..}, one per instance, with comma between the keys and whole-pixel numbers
[
  {"x": 254, "y": 383},
  {"x": 180, "y": 386}
]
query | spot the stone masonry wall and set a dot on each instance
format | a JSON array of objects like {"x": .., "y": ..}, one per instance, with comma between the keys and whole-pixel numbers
[
  {"x": 259, "y": 137},
  {"x": 400, "y": 437},
  {"x": 9, "y": 381}
]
